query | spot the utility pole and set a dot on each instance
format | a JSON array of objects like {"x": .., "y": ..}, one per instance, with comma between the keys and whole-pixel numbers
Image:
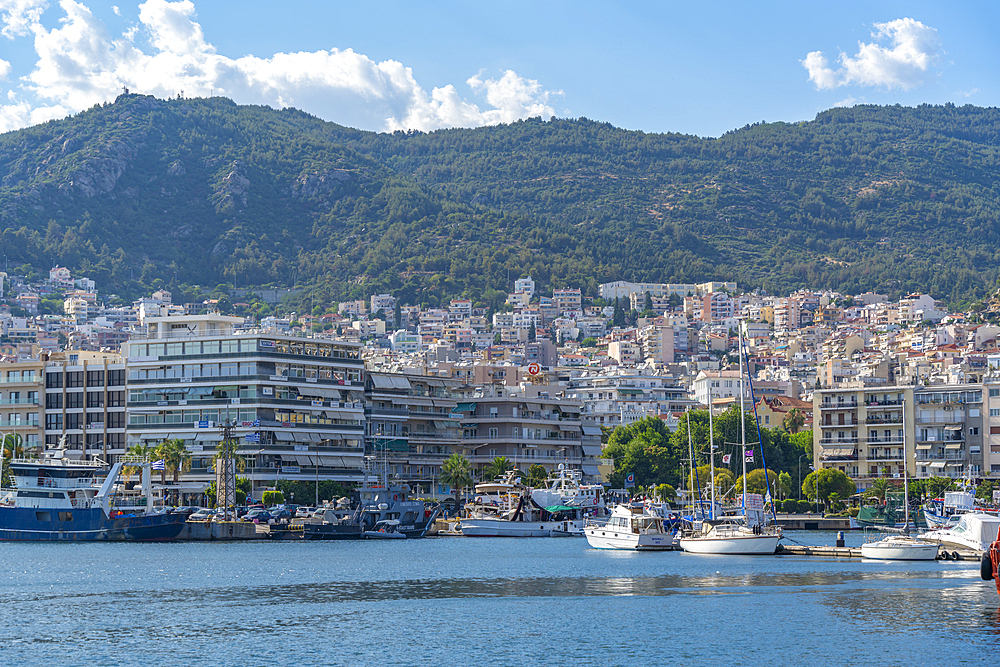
[{"x": 225, "y": 480}]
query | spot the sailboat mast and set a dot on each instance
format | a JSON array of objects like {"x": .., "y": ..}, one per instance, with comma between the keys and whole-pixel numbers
[
  {"x": 906, "y": 479},
  {"x": 711, "y": 446},
  {"x": 743, "y": 423},
  {"x": 687, "y": 415}
]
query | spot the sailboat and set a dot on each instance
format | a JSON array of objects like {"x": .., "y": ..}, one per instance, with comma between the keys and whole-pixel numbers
[
  {"x": 900, "y": 546},
  {"x": 736, "y": 535}
]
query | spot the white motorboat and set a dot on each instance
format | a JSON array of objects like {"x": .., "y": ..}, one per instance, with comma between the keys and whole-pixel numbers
[
  {"x": 899, "y": 547},
  {"x": 974, "y": 531},
  {"x": 505, "y": 509},
  {"x": 387, "y": 529},
  {"x": 631, "y": 526}
]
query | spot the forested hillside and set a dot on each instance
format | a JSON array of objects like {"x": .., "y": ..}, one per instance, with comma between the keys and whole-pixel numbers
[{"x": 204, "y": 191}]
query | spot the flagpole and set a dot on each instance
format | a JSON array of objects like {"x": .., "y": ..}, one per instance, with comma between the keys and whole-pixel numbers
[{"x": 711, "y": 446}]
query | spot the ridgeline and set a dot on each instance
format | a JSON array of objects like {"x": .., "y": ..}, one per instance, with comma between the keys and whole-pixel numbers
[{"x": 204, "y": 191}]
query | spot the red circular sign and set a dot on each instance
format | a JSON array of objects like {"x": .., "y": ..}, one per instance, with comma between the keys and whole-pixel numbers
[{"x": 534, "y": 369}]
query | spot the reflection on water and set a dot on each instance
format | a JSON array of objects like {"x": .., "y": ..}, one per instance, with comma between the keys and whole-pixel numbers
[{"x": 469, "y": 601}]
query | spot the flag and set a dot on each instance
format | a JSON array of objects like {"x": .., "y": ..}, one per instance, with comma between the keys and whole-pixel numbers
[
  {"x": 748, "y": 455},
  {"x": 160, "y": 465},
  {"x": 256, "y": 422},
  {"x": 726, "y": 457},
  {"x": 630, "y": 480}
]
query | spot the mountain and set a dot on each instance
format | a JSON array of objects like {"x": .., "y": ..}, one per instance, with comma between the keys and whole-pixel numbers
[{"x": 204, "y": 191}]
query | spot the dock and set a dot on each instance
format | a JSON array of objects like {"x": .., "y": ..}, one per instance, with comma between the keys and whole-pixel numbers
[{"x": 855, "y": 552}]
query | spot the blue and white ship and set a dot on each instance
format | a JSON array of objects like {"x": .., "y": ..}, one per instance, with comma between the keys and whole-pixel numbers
[{"x": 61, "y": 499}]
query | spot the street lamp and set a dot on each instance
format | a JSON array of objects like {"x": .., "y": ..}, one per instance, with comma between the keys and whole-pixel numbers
[{"x": 800, "y": 475}]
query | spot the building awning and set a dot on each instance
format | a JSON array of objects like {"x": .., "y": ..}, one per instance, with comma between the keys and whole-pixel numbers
[
  {"x": 590, "y": 469},
  {"x": 285, "y": 436},
  {"x": 958, "y": 464},
  {"x": 200, "y": 391},
  {"x": 301, "y": 437},
  {"x": 924, "y": 445},
  {"x": 570, "y": 428},
  {"x": 465, "y": 407},
  {"x": 591, "y": 450},
  {"x": 417, "y": 400},
  {"x": 838, "y": 451},
  {"x": 627, "y": 391},
  {"x": 396, "y": 445},
  {"x": 380, "y": 381},
  {"x": 470, "y": 425},
  {"x": 954, "y": 445},
  {"x": 591, "y": 430},
  {"x": 320, "y": 393},
  {"x": 444, "y": 424},
  {"x": 937, "y": 464},
  {"x": 208, "y": 437},
  {"x": 953, "y": 428}
]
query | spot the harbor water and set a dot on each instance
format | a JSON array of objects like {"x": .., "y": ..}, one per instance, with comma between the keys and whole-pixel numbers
[{"x": 504, "y": 601}]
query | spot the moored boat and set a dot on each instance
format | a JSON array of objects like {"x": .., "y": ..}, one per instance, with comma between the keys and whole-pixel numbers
[
  {"x": 974, "y": 531},
  {"x": 630, "y": 526},
  {"x": 61, "y": 499}
]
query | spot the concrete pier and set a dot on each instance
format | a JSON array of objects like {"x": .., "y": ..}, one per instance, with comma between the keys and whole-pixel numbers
[
  {"x": 219, "y": 530},
  {"x": 855, "y": 552}
]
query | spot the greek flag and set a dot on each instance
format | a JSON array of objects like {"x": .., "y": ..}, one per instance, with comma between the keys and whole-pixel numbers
[
  {"x": 159, "y": 465},
  {"x": 256, "y": 422}
]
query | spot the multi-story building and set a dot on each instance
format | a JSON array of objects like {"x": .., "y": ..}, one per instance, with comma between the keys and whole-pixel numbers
[
  {"x": 413, "y": 426},
  {"x": 568, "y": 299},
  {"x": 296, "y": 403},
  {"x": 874, "y": 431},
  {"x": 20, "y": 401},
  {"x": 528, "y": 426},
  {"x": 85, "y": 404},
  {"x": 613, "y": 399},
  {"x": 657, "y": 343}
]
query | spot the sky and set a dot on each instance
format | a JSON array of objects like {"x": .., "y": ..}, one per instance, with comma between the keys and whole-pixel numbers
[{"x": 697, "y": 68}]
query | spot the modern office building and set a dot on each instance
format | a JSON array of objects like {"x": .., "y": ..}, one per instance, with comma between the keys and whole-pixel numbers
[{"x": 296, "y": 404}]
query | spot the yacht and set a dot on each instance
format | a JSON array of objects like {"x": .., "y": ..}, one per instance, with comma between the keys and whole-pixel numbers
[
  {"x": 974, "y": 531},
  {"x": 59, "y": 498},
  {"x": 506, "y": 508},
  {"x": 566, "y": 488},
  {"x": 899, "y": 547},
  {"x": 630, "y": 526}
]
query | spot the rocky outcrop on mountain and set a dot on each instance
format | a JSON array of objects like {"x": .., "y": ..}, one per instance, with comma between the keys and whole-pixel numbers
[
  {"x": 319, "y": 183},
  {"x": 231, "y": 192}
]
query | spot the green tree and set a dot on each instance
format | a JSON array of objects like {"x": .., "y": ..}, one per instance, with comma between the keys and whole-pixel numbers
[
  {"x": 665, "y": 492},
  {"x": 755, "y": 482},
  {"x": 785, "y": 484},
  {"x": 648, "y": 305},
  {"x": 589, "y": 341},
  {"x": 723, "y": 480},
  {"x": 272, "y": 497},
  {"x": 878, "y": 490},
  {"x": 456, "y": 472},
  {"x": 827, "y": 481},
  {"x": 140, "y": 450},
  {"x": 936, "y": 486},
  {"x": 793, "y": 421},
  {"x": 531, "y": 332},
  {"x": 497, "y": 468},
  {"x": 643, "y": 448},
  {"x": 537, "y": 474},
  {"x": 398, "y": 316}
]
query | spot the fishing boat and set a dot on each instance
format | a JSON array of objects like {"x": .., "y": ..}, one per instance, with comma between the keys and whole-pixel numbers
[
  {"x": 633, "y": 526},
  {"x": 62, "y": 499},
  {"x": 567, "y": 489},
  {"x": 505, "y": 508},
  {"x": 749, "y": 534}
]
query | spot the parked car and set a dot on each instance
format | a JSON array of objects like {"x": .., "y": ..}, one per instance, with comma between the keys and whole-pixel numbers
[
  {"x": 281, "y": 514},
  {"x": 263, "y": 516},
  {"x": 304, "y": 512},
  {"x": 204, "y": 514}
]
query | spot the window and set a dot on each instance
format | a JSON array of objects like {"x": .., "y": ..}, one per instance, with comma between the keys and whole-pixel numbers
[
  {"x": 53, "y": 380},
  {"x": 73, "y": 420},
  {"x": 53, "y": 422},
  {"x": 53, "y": 401},
  {"x": 994, "y": 430},
  {"x": 74, "y": 379},
  {"x": 95, "y": 378},
  {"x": 116, "y": 399},
  {"x": 95, "y": 399},
  {"x": 974, "y": 430},
  {"x": 494, "y": 432},
  {"x": 994, "y": 392},
  {"x": 74, "y": 400},
  {"x": 994, "y": 412},
  {"x": 115, "y": 420},
  {"x": 116, "y": 378}
]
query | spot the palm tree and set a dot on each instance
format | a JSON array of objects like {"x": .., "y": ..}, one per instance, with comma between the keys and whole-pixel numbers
[
  {"x": 456, "y": 472},
  {"x": 497, "y": 468},
  {"x": 140, "y": 450},
  {"x": 176, "y": 458},
  {"x": 537, "y": 474},
  {"x": 878, "y": 489},
  {"x": 794, "y": 421}
]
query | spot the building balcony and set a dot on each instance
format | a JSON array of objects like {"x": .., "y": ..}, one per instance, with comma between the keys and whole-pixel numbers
[
  {"x": 883, "y": 403},
  {"x": 839, "y": 457},
  {"x": 884, "y": 420},
  {"x": 841, "y": 425},
  {"x": 951, "y": 456},
  {"x": 846, "y": 405},
  {"x": 838, "y": 442},
  {"x": 19, "y": 401},
  {"x": 891, "y": 440},
  {"x": 885, "y": 457}
]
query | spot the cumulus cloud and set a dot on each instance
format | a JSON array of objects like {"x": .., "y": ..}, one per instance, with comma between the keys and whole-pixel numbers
[
  {"x": 4, "y": 69},
  {"x": 81, "y": 63},
  {"x": 20, "y": 16},
  {"x": 899, "y": 57},
  {"x": 848, "y": 101}
]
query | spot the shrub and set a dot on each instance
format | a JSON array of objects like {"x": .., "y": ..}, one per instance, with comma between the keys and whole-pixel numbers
[
  {"x": 806, "y": 506},
  {"x": 273, "y": 498},
  {"x": 790, "y": 506}
]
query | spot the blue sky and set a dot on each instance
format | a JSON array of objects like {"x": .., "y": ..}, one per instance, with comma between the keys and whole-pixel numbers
[{"x": 699, "y": 68}]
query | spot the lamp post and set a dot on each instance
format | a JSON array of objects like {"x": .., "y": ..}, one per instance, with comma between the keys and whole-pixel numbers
[{"x": 800, "y": 475}]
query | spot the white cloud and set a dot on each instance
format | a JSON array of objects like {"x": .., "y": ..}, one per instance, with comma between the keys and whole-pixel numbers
[
  {"x": 20, "y": 16},
  {"x": 912, "y": 49},
  {"x": 967, "y": 93},
  {"x": 4, "y": 69},
  {"x": 848, "y": 101},
  {"x": 80, "y": 63}
]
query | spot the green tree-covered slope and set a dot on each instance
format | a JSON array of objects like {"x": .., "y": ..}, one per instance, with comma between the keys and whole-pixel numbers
[{"x": 885, "y": 198}]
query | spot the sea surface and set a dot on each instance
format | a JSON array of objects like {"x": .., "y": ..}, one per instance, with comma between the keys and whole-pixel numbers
[{"x": 488, "y": 601}]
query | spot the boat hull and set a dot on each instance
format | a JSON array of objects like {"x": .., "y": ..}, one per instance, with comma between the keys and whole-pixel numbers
[
  {"x": 28, "y": 524},
  {"x": 600, "y": 538},
  {"x": 882, "y": 551},
  {"x": 748, "y": 545},
  {"x": 501, "y": 528}
]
